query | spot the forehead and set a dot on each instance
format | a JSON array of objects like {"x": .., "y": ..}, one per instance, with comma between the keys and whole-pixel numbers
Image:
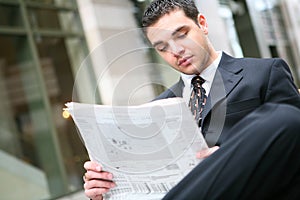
[{"x": 167, "y": 24}]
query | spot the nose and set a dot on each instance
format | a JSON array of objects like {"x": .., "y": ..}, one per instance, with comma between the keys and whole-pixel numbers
[{"x": 176, "y": 49}]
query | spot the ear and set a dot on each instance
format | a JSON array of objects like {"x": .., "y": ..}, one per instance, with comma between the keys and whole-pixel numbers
[{"x": 202, "y": 23}]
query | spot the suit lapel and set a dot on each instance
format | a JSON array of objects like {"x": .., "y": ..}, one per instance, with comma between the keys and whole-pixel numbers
[
  {"x": 177, "y": 89},
  {"x": 226, "y": 78}
]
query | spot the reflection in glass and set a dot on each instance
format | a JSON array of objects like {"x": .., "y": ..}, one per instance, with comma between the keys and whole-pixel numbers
[
  {"x": 19, "y": 133},
  {"x": 53, "y": 2},
  {"x": 57, "y": 71},
  {"x": 10, "y": 16}
]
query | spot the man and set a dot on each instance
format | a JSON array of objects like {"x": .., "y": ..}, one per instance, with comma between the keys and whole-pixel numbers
[{"x": 250, "y": 117}]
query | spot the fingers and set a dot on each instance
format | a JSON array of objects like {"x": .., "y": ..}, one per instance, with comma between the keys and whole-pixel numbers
[
  {"x": 97, "y": 182},
  {"x": 95, "y": 193},
  {"x": 102, "y": 185},
  {"x": 93, "y": 166},
  {"x": 94, "y": 171},
  {"x": 206, "y": 152},
  {"x": 91, "y": 175},
  {"x": 95, "y": 188}
]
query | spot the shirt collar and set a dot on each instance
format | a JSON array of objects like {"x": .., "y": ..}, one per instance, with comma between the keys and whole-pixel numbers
[{"x": 208, "y": 74}]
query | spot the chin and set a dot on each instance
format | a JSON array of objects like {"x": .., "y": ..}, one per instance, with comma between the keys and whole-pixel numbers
[
  {"x": 188, "y": 72},
  {"x": 192, "y": 72}
]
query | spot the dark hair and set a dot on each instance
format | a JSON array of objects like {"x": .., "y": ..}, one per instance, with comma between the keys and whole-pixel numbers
[{"x": 159, "y": 8}]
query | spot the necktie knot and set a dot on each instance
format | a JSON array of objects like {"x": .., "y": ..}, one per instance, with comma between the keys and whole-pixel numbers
[{"x": 197, "y": 81}]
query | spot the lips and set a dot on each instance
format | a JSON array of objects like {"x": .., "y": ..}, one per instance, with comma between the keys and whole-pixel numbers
[{"x": 185, "y": 61}]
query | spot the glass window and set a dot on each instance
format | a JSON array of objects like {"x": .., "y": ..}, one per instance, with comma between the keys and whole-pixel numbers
[
  {"x": 10, "y": 16},
  {"x": 58, "y": 75},
  {"x": 54, "y": 19},
  {"x": 43, "y": 18},
  {"x": 40, "y": 150},
  {"x": 54, "y": 2},
  {"x": 34, "y": 136},
  {"x": 21, "y": 113}
]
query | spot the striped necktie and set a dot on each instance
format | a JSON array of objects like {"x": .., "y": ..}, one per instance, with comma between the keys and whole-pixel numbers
[{"x": 197, "y": 99}]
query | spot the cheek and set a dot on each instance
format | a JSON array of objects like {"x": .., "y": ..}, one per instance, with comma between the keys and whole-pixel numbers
[
  {"x": 194, "y": 46},
  {"x": 167, "y": 57},
  {"x": 196, "y": 42}
]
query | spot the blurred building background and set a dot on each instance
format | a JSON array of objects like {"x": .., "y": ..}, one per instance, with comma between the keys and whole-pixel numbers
[{"x": 56, "y": 51}]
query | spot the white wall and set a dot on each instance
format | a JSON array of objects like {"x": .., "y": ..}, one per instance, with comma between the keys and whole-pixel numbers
[
  {"x": 216, "y": 28},
  {"x": 117, "y": 50}
]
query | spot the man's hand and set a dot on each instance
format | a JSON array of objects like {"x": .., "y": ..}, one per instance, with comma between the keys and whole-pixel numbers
[
  {"x": 206, "y": 152},
  {"x": 97, "y": 182}
]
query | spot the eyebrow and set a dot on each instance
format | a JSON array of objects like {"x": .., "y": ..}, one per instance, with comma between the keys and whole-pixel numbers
[
  {"x": 156, "y": 43},
  {"x": 178, "y": 30},
  {"x": 173, "y": 33}
]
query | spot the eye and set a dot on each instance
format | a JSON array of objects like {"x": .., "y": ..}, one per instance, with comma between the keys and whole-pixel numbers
[
  {"x": 162, "y": 47},
  {"x": 181, "y": 35}
]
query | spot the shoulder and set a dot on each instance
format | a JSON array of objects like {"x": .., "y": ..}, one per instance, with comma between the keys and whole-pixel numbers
[
  {"x": 174, "y": 91},
  {"x": 249, "y": 61},
  {"x": 255, "y": 65}
]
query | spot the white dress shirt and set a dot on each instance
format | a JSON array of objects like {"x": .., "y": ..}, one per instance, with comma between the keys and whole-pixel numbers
[{"x": 208, "y": 75}]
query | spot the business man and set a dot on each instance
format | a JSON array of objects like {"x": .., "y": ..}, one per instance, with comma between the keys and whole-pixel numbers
[{"x": 249, "y": 113}]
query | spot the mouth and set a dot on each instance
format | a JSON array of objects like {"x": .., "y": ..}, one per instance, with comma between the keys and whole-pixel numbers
[{"x": 185, "y": 61}]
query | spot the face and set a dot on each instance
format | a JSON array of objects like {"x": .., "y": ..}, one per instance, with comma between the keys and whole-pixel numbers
[{"x": 181, "y": 42}]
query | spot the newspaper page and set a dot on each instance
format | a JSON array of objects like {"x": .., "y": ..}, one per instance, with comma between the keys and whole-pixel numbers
[{"x": 149, "y": 148}]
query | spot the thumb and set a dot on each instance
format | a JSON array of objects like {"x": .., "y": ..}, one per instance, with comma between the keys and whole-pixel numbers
[{"x": 206, "y": 152}]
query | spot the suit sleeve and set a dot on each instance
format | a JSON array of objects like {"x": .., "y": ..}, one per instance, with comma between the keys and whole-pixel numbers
[{"x": 281, "y": 87}]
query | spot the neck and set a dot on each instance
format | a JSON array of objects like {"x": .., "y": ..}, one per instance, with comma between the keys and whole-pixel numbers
[{"x": 213, "y": 55}]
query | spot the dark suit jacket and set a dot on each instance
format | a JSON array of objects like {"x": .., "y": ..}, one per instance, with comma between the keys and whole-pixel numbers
[{"x": 240, "y": 86}]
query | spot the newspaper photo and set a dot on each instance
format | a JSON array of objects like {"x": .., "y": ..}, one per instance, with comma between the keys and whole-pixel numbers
[{"x": 149, "y": 148}]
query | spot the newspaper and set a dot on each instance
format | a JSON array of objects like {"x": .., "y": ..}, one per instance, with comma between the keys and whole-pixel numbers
[{"x": 149, "y": 148}]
